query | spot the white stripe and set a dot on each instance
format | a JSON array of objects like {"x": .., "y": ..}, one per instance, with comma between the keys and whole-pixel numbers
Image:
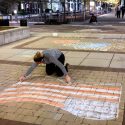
[
  {"x": 89, "y": 89},
  {"x": 65, "y": 92},
  {"x": 74, "y": 87}
]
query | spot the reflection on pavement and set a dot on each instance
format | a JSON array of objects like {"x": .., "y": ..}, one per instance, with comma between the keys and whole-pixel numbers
[{"x": 94, "y": 101}]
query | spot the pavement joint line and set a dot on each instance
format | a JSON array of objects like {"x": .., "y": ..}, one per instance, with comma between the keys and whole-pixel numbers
[
  {"x": 29, "y": 42},
  {"x": 71, "y": 67},
  {"x": 111, "y": 60},
  {"x": 73, "y": 50},
  {"x": 85, "y": 58}
]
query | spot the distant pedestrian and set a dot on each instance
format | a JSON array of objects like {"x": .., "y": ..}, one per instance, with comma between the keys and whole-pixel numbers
[
  {"x": 54, "y": 60},
  {"x": 93, "y": 19},
  {"x": 123, "y": 11},
  {"x": 118, "y": 11}
]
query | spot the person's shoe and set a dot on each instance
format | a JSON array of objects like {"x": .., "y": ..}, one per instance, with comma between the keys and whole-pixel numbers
[{"x": 67, "y": 66}]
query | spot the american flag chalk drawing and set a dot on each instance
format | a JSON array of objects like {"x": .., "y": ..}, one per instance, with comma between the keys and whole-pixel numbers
[{"x": 92, "y": 101}]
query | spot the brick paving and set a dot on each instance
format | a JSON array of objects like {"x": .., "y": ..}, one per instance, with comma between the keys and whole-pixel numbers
[
  {"x": 96, "y": 95},
  {"x": 41, "y": 111}
]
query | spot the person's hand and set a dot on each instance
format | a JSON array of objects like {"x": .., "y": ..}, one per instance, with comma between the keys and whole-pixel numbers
[
  {"x": 22, "y": 78},
  {"x": 68, "y": 79}
]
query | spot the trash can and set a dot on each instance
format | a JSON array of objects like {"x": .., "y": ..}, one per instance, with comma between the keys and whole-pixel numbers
[
  {"x": 23, "y": 22},
  {"x": 4, "y": 22}
]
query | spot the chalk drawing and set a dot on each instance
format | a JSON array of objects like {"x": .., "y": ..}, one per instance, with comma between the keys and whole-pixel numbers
[
  {"x": 89, "y": 45},
  {"x": 98, "y": 102}
]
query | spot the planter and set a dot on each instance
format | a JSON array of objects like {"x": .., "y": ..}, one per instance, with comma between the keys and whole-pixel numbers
[{"x": 15, "y": 34}]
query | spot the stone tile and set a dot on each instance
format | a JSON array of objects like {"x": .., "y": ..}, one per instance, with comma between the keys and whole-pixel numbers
[
  {"x": 117, "y": 64},
  {"x": 76, "y": 54},
  {"x": 95, "y": 122},
  {"x": 10, "y": 116},
  {"x": 19, "y": 111},
  {"x": 58, "y": 116},
  {"x": 4, "y": 56},
  {"x": 29, "y": 119},
  {"x": 74, "y": 61},
  {"x": 28, "y": 52},
  {"x": 2, "y": 114},
  {"x": 48, "y": 114},
  {"x": 114, "y": 123},
  {"x": 61, "y": 122},
  {"x": 38, "y": 113},
  {"x": 68, "y": 117},
  {"x": 27, "y": 112},
  {"x": 100, "y": 56},
  {"x": 22, "y": 58},
  {"x": 19, "y": 117},
  {"x": 31, "y": 106},
  {"x": 72, "y": 123},
  {"x": 10, "y": 109},
  {"x": 39, "y": 121},
  {"x": 119, "y": 57},
  {"x": 120, "y": 116},
  {"x": 121, "y": 105},
  {"x": 10, "y": 51},
  {"x": 49, "y": 122},
  {"x": 79, "y": 120},
  {"x": 95, "y": 62}
]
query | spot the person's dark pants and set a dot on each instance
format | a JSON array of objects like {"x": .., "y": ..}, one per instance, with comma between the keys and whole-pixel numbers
[
  {"x": 52, "y": 68},
  {"x": 123, "y": 12},
  {"x": 118, "y": 14}
]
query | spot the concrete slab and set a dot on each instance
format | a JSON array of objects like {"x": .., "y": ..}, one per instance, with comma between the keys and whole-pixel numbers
[
  {"x": 119, "y": 57},
  {"x": 74, "y": 61},
  {"x": 5, "y": 56},
  {"x": 100, "y": 55},
  {"x": 21, "y": 58},
  {"x": 117, "y": 64},
  {"x": 77, "y": 54},
  {"x": 95, "y": 62},
  {"x": 9, "y": 51}
]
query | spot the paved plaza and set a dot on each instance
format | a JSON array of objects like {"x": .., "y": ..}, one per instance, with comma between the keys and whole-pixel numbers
[{"x": 96, "y": 54}]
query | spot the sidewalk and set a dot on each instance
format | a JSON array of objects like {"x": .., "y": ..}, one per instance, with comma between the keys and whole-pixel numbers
[
  {"x": 95, "y": 97},
  {"x": 106, "y": 53}
]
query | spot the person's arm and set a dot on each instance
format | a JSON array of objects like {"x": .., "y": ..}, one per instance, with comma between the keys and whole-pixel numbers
[{"x": 31, "y": 68}]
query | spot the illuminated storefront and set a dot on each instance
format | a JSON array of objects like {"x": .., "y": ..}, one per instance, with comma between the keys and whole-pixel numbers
[{"x": 54, "y": 5}]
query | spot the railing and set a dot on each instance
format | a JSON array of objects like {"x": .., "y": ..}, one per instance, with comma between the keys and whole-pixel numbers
[{"x": 50, "y": 17}]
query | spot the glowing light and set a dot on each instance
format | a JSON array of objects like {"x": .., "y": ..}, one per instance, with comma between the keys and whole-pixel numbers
[
  {"x": 15, "y": 11},
  {"x": 22, "y": 6},
  {"x": 55, "y": 34},
  {"x": 92, "y": 3}
]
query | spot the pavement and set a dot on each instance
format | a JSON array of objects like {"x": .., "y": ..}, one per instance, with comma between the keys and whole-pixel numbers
[{"x": 96, "y": 54}]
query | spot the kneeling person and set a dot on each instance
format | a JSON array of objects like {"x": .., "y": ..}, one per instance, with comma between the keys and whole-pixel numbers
[{"x": 54, "y": 60}]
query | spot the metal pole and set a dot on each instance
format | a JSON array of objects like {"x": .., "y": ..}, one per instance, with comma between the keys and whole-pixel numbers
[
  {"x": 64, "y": 18},
  {"x": 51, "y": 4}
]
